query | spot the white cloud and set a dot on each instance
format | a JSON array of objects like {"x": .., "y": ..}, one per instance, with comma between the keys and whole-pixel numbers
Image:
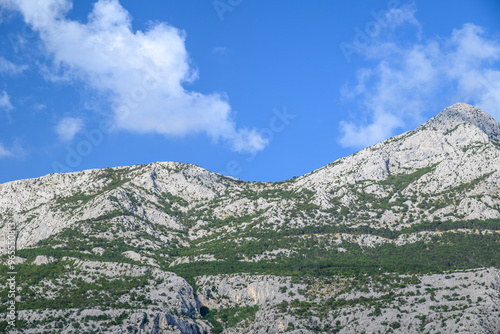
[
  {"x": 143, "y": 72},
  {"x": 4, "y": 152},
  {"x": 398, "y": 16},
  {"x": 219, "y": 50},
  {"x": 366, "y": 134},
  {"x": 249, "y": 141},
  {"x": 10, "y": 68},
  {"x": 5, "y": 102},
  {"x": 15, "y": 151},
  {"x": 408, "y": 81},
  {"x": 68, "y": 127}
]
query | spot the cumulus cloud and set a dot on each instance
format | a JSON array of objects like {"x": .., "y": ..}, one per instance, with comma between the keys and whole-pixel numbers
[
  {"x": 249, "y": 141},
  {"x": 142, "y": 72},
  {"x": 68, "y": 127},
  {"x": 5, "y": 102},
  {"x": 410, "y": 80}
]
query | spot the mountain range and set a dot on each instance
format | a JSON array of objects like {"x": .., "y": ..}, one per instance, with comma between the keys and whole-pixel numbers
[{"x": 401, "y": 237}]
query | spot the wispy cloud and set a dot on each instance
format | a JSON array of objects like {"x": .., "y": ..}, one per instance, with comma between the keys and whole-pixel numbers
[
  {"x": 7, "y": 67},
  {"x": 15, "y": 151},
  {"x": 4, "y": 152},
  {"x": 409, "y": 80},
  {"x": 219, "y": 50},
  {"x": 68, "y": 127},
  {"x": 142, "y": 72},
  {"x": 5, "y": 102}
]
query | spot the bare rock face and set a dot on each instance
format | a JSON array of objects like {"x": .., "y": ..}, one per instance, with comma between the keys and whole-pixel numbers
[
  {"x": 244, "y": 290},
  {"x": 171, "y": 304},
  {"x": 431, "y": 303},
  {"x": 42, "y": 259},
  {"x": 462, "y": 113}
]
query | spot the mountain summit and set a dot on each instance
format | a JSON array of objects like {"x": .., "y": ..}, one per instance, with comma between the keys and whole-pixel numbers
[
  {"x": 458, "y": 146},
  {"x": 463, "y": 113}
]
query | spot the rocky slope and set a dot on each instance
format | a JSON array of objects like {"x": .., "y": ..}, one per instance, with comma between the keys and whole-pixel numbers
[
  {"x": 453, "y": 158},
  {"x": 204, "y": 252}
]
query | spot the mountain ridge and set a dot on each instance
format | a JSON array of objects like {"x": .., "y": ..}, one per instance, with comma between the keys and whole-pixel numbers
[
  {"x": 174, "y": 247},
  {"x": 454, "y": 115},
  {"x": 446, "y": 154}
]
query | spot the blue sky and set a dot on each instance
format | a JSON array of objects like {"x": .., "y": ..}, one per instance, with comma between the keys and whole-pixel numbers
[{"x": 257, "y": 90}]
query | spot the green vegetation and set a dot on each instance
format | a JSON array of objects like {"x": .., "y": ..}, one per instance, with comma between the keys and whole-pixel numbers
[
  {"x": 102, "y": 291},
  {"x": 401, "y": 181},
  {"x": 298, "y": 238},
  {"x": 114, "y": 178},
  {"x": 450, "y": 251},
  {"x": 467, "y": 186},
  {"x": 171, "y": 203},
  {"x": 112, "y": 253},
  {"x": 228, "y": 317},
  {"x": 453, "y": 129}
]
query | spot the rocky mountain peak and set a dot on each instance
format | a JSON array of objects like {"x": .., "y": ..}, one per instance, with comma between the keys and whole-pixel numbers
[{"x": 463, "y": 113}]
